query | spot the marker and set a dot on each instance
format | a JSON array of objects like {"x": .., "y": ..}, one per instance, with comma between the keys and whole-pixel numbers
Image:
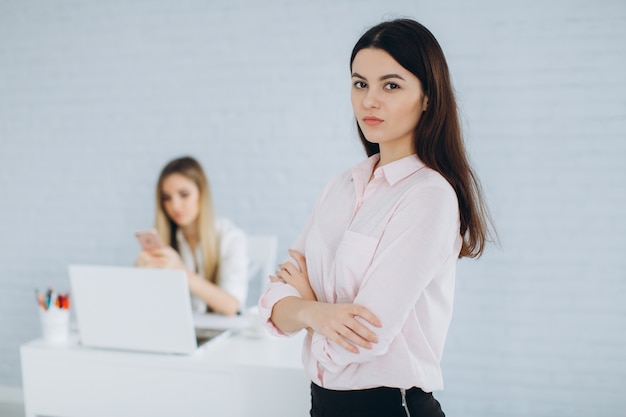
[{"x": 39, "y": 298}]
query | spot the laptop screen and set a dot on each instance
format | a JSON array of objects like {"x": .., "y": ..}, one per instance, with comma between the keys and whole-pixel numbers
[{"x": 128, "y": 308}]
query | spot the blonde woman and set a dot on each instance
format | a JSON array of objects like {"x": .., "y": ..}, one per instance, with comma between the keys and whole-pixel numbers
[{"x": 213, "y": 251}]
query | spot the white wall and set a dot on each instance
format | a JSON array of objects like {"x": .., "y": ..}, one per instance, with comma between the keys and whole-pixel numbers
[{"x": 96, "y": 96}]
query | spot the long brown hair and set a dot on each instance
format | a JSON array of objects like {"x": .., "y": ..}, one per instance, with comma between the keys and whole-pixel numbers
[
  {"x": 167, "y": 228},
  {"x": 437, "y": 138}
]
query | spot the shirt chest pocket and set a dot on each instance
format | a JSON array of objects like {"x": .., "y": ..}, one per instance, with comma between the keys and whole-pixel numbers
[{"x": 354, "y": 256}]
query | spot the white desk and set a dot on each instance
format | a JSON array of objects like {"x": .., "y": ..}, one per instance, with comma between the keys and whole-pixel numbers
[{"x": 235, "y": 376}]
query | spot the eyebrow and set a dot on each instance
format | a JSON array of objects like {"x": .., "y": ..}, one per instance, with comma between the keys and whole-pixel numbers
[
  {"x": 384, "y": 77},
  {"x": 181, "y": 190}
]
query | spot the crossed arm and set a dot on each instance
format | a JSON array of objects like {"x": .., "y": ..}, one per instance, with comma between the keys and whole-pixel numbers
[
  {"x": 420, "y": 241},
  {"x": 337, "y": 322}
]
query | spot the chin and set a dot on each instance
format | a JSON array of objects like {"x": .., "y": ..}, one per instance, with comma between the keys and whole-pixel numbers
[
  {"x": 373, "y": 140},
  {"x": 373, "y": 137},
  {"x": 180, "y": 223}
]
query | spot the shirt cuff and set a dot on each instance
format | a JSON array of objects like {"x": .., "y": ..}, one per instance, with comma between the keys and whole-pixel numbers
[
  {"x": 320, "y": 351},
  {"x": 275, "y": 292}
]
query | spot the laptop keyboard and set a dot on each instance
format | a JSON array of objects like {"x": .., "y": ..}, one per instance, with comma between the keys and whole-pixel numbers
[{"x": 205, "y": 335}]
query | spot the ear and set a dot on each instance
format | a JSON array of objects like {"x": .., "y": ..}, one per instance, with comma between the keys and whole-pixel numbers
[{"x": 425, "y": 103}]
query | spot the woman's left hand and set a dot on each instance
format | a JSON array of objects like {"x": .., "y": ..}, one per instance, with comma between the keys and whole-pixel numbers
[
  {"x": 297, "y": 278},
  {"x": 168, "y": 258}
]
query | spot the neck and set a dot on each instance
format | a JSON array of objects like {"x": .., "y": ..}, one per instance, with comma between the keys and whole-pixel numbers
[
  {"x": 191, "y": 234},
  {"x": 387, "y": 159},
  {"x": 390, "y": 153}
]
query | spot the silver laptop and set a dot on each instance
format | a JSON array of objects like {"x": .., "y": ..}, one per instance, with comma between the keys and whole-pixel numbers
[{"x": 140, "y": 309}]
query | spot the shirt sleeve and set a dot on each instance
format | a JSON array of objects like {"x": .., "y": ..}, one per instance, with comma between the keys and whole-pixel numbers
[
  {"x": 233, "y": 261},
  {"x": 421, "y": 237}
]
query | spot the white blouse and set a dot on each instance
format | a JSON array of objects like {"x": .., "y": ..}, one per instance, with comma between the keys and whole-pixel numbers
[{"x": 233, "y": 270}]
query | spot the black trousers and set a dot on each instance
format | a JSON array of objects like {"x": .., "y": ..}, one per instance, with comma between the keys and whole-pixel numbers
[{"x": 373, "y": 402}]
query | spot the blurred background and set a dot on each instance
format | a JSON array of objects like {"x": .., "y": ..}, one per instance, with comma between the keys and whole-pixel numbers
[{"x": 95, "y": 97}]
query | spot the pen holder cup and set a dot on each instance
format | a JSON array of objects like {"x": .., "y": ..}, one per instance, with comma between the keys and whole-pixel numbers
[{"x": 55, "y": 325}]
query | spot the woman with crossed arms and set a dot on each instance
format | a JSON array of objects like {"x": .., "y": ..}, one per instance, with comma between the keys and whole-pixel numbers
[{"x": 372, "y": 275}]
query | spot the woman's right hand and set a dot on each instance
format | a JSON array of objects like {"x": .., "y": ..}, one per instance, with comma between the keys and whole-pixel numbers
[
  {"x": 338, "y": 322},
  {"x": 146, "y": 260},
  {"x": 297, "y": 277}
]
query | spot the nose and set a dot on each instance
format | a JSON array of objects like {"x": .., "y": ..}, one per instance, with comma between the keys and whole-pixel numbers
[
  {"x": 371, "y": 100},
  {"x": 175, "y": 203}
]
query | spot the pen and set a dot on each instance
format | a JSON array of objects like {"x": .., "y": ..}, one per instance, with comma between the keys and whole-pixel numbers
[
  {"x": 52, "y": 300},
  {"x": 39, "y": 299},
  {"x": 63, "y": 301}
]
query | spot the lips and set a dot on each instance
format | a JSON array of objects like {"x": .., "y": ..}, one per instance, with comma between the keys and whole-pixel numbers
[{"x": 372, "y": 120}]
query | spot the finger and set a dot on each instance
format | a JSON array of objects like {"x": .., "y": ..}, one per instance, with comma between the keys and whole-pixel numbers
[
  {"x": 284, "y": 275},
  {"x": 276, "y": 279},
  {"x": 354, "y": 338},
  {"x": 341, "y": 341},
  {"x": 362, "y": 331},
  {"x": 285, "y": 265},
  {"x": 145, "y": 260},
  {"x": 365, "y": 314},
  {"x": 291, "y": 274},
  {"x": 290, "y": 268},
  {"x": 299, "y": 258},
  {"x": 158, "y": 253},
  {"x": 149, "y": 258}
]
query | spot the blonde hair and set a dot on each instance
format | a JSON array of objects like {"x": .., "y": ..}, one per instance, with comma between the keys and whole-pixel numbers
[{"x": 167, "y": 228}]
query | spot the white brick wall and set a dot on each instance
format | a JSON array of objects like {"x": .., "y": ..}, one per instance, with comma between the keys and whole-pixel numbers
[{"x": 96, "y": 96}]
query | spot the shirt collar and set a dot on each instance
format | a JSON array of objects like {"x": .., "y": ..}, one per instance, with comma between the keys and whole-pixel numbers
[
  {"x": 393, "y": 172},
  {"x": 402, "y": 168},
  {"x": 180, "y": 238},
  {"x": 363, "y": 170}
]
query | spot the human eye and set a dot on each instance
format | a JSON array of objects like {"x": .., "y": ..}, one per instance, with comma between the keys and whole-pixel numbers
[
  {"x": 165, "y": 198},
  {"x": 359, "y": 85},
  {"x": 184, "y": 194},
  {"x": 391, "y": 86}
]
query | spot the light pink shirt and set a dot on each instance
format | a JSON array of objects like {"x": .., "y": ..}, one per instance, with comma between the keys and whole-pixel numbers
[{"x": 390, "y": 245}]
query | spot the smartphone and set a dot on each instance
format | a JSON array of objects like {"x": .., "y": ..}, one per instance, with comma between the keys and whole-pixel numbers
[{"x": 149, "y": 239}]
